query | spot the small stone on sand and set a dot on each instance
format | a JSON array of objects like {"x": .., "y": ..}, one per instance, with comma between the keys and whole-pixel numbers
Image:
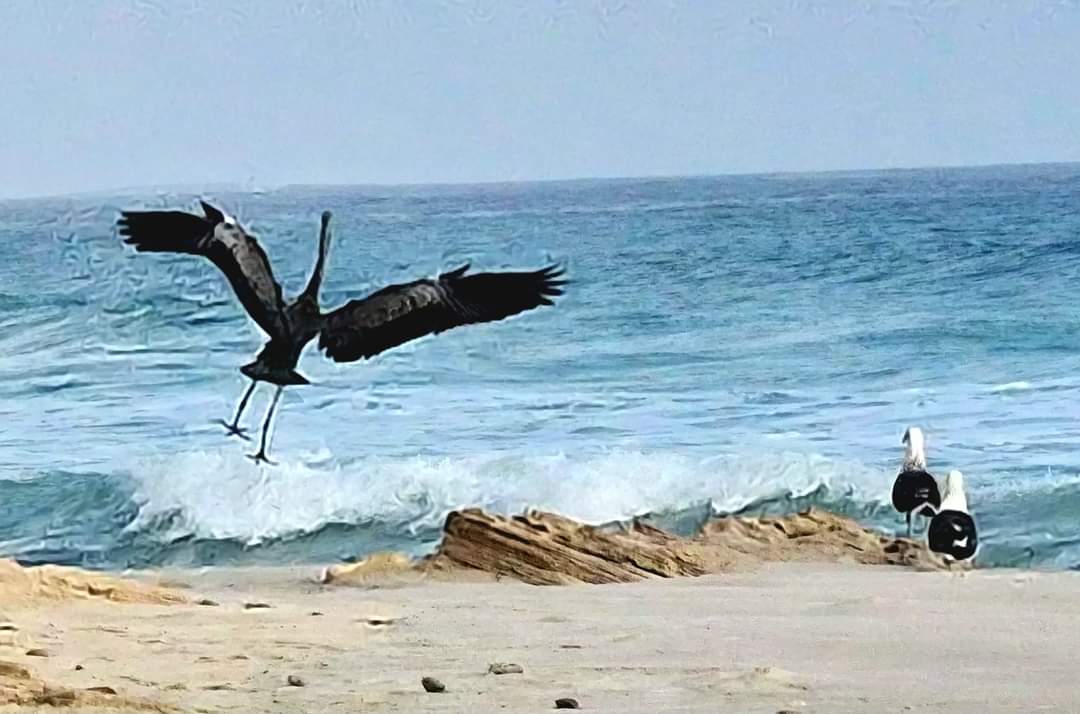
[
  {"x": 505, "y": 668},
  {"x": 206, "y": 602},
  {"x": 102, "y": 690},
  {"x": 256, "y": 605},
  {"x": 316, "y": 613},
  {"x": 294, "y": 680},
  {"x": 566, "y": 703},
  {"x": 78, "y": 668},
  {"x": 37, "y": 652},
  {"x": 433, "y": 685}
]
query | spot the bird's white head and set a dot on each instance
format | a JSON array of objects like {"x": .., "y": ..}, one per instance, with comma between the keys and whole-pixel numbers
[
  {"x": 915, "y": 449},
  {"x": 955, "y": 499}
]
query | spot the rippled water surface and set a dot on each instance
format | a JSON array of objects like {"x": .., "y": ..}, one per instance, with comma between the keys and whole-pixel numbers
[{"x": 726, "y": 343}]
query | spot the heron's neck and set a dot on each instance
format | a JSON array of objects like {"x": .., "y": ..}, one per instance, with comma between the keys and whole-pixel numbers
[{"x": 312, "y": 289}]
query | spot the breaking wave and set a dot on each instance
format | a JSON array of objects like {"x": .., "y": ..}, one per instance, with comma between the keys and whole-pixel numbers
[{"x": 205, "y": 508}]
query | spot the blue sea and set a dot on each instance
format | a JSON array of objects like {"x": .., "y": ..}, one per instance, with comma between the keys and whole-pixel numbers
[{"x": 738, "y": 344}]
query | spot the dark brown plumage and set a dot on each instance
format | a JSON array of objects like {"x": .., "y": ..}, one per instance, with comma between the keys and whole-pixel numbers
[
  {"x": 399, "y": 313},
  {"x": 359, "y": 329}
]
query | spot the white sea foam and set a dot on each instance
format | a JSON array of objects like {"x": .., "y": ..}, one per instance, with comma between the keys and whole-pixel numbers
[
  {"x": 1020, "y": 386},
  {"x": 223, "y": 495}
]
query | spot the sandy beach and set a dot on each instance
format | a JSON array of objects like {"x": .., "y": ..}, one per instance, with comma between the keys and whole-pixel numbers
[{"x": 802, "y": 637}]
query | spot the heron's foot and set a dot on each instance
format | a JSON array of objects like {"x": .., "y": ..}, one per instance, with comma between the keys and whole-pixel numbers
[
  {"x": 261, "y": 458},
  {"x": 234, "y": 430}
]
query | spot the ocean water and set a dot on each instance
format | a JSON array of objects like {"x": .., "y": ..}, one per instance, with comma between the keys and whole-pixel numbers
[{"x": 727, "y": 344}]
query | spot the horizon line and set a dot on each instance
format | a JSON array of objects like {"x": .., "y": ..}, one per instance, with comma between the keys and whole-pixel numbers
[{"x": 236, "y": 187}]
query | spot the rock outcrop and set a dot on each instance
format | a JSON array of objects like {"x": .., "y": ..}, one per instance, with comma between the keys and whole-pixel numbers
[
  {"x": 547, "y": 549},
  {"x": 815, "y": 535}
]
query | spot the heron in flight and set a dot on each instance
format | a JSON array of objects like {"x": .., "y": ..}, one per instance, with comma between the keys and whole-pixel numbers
[{"x": 359, "y": 329}]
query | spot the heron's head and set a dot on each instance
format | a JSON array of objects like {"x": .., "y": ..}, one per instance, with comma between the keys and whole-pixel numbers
[
  {"x": 915, "y": 451},
  {"x": 324, "y": 229},
  {"x": 216, "y": 216},
  {"x": 954, "y": 499}
]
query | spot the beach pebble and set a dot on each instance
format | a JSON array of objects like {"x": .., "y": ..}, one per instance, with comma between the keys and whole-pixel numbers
[
  {"x": 430, "y": 684},
  {"x": 101, "y": 690},
  {"x": 566, "y": 703},
  {"x": 206, "y": 602},
  {"x": 37, "y": 652},
  {"x": 295, "y": 680},
  {"x": 316, "y": 613},
  {"x": 256, "y": 605},
  {"x": 78, "y": 668},
  {"x": 505, "y": 668}
]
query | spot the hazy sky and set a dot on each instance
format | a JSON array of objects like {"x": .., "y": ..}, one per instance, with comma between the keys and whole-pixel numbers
[{"x": 97, "y": 94}]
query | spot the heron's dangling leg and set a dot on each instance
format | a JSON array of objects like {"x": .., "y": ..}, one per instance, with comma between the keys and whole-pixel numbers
[
  {"x": 909, "y": 524},
  {"x": 261, "y": 456},
  {"x": 235, "y": 429}
]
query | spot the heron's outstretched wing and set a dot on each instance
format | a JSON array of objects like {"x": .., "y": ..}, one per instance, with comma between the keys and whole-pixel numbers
[
  {"x": 224, "y": 242},
  {"x": 399, "y": 313}
]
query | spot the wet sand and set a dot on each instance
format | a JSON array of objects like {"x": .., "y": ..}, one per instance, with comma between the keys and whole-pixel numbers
[{"x": 790, "y": 636}]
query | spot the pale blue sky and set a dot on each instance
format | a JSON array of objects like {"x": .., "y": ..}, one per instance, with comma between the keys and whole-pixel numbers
[{"x": 101, "y": 94}]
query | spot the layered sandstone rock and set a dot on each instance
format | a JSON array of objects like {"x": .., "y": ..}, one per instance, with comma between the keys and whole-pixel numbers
[{"x": 547, "y": 549}]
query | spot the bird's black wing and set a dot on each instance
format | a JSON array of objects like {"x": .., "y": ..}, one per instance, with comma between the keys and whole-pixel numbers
[
  {"x": 954, "y": 533},
  {"x": 399, "y": 313},
  {"x": 914, "y": 488},
  {"x": 225, "y": 243}
]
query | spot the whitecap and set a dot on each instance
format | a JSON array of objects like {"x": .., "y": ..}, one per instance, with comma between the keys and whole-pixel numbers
[
  {"x": 1011, "y": 387},
  {"x": 222, "y": 495}
]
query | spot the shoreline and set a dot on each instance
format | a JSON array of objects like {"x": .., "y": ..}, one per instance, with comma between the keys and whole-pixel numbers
[
  {"x": 808, "y": 612},
  {"x": 805, "y": 637}
]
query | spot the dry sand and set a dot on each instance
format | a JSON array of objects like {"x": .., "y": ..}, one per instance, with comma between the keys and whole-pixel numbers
[{"x": 798, "y": 637}]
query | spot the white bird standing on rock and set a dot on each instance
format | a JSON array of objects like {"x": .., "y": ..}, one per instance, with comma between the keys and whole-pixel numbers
[
  {"x": 915, "y": 491},
  {"x": 952, "y": 530}
]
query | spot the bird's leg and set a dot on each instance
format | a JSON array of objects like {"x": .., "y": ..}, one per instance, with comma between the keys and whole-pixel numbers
[
  {"x": 909, "y": 524},
  {"x": 234, "y": 429},
  {"x": 261, "y": 456}
]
